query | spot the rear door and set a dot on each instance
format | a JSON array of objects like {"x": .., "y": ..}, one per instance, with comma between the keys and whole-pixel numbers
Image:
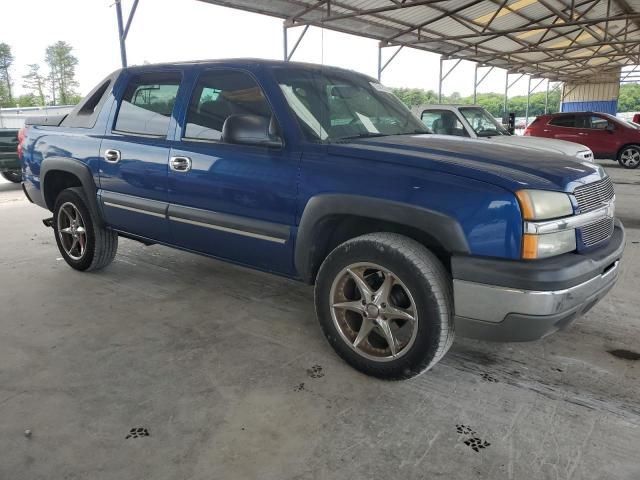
[
  {"x": 232, "y": 201},
  {"x": 135, "y": 154},
  {"x": 562, "y": 127}
]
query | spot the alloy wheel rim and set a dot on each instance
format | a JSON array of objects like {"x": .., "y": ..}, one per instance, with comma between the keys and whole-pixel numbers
[
  {"x": 72, "y": 231},
  {"x": 374, "y": 312},
  {"x": 630, "y": 157}
]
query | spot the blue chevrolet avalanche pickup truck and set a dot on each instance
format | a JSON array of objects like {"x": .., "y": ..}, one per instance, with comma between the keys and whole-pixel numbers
[{"x": 322, "y": 175}]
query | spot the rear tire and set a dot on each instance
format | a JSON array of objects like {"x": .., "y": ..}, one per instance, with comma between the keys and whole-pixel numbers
[
  {"x": 629, "y": 157},
  {"x": 83, "y": 242},
  {"x": 13, "y": 176},
  {"x": 402, "y": 280}
]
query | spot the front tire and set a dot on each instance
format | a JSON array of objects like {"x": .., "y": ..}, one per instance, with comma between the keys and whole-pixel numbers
[
  {"x": 385, "y": 304},
  {"x": 629, "y": 157},
  {"x": 13, "y": 176},
  {"x": 83, "y": 242}
]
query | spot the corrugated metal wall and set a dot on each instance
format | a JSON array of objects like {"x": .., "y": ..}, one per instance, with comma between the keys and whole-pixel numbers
[{"x": 599, "y": 95}]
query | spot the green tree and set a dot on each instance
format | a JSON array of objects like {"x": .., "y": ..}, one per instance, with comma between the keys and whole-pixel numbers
[
  {"x": 492, "y": 102},
  {"x": 34, "y": 83},
  {"x": 28, "y": 100},
  {"x": 62, "y": 67},
  {"x": 629, "y": 98},
  {"x": 413, "y": 97},
  {"x": 6, "y": 60}
]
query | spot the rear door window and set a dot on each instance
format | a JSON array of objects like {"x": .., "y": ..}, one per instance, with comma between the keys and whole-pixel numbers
[
  {"x": 147, "y": 104},
  {"x": 564, "y": 121}
]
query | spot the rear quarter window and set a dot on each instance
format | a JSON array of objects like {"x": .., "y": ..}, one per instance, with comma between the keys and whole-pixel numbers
[
  {"x": 564, "y": 121},
  {"x": 85, "y": 114}
]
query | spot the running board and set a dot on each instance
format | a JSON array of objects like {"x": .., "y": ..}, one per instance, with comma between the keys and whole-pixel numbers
[{"x": 48, "y": 222}]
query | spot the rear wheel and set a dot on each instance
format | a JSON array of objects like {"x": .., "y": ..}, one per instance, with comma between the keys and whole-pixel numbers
[
  {"x": 83, "y": 243},
  {"x": 629, "y": 157},
  {"x": 385, "y": 305},
  {"x": 13, "y": 176}
]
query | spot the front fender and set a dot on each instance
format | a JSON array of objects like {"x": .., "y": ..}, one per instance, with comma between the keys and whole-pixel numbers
[{"x": 444, "y": 229}]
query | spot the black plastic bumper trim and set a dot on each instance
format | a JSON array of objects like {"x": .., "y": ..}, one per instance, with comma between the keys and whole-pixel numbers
[{"x": 556, "y": 273}]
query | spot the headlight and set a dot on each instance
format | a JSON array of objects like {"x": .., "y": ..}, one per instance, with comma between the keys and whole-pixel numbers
[
  {"x": 586, "y": 156},
  {"x": 539, "y": 205},
  {"x": 548, "y": 245},
  {"x": 544, "y": 205}
]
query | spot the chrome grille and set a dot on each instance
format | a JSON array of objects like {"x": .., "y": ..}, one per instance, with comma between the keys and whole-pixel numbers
[
  {"x": 597, "y": 231},
  {"x": 594, "y": 195}
]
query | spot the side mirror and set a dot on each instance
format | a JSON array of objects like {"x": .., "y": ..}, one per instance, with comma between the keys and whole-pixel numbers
[
  {"x": 610, "y": 127},
  {"x": 251, "y": 130}
]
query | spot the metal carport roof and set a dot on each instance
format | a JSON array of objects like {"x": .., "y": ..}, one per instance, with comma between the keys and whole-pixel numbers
[{"x": 565, "y": 40}]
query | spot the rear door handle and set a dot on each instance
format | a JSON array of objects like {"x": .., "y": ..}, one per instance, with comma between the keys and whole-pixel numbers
[
  {"x": 180, "y": 164},
  {"x": 112, "y": 156},
  {"x": 546, "y": 131}
]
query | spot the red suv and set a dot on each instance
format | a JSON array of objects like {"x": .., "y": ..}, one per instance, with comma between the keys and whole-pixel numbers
[{"x": 606, "y": 135}]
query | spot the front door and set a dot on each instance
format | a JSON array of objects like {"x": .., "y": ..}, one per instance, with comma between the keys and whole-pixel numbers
[
  {"x": 601, "y": 137},
  {"x": 134, "y": 155},
  {"x": 233, "y": 201}
]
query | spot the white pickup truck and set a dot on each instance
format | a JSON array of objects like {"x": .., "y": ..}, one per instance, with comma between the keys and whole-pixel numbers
[{"x": 474, "y": 121}]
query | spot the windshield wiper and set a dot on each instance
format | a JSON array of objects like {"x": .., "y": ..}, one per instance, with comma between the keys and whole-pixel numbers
[
  {"x": 415, "y": 132},
  {"x": 362, "y": 135}
]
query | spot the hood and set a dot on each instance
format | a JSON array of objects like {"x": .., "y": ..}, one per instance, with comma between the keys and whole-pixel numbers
[
  {"x": 538, "y": 143},
  {"x": 510, "y": 166}
]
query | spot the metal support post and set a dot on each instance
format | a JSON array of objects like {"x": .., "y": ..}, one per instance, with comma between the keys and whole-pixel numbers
[
  {"x": 444, "y": 77},
  {"x": 526, "y": 112},
  {"x": 475, "y": 84},
  {"x": 295, "y": 45},
  {"x": 506, "y": 95},
  {"x": 123, "y": 48},
  {"x": 123, "y": 30},
  {"x": 285, "y": 48},
  {"x": 440, "y": 81},
  {"x": 546, "y": 99},
  {"x": 382, "y": 67}
]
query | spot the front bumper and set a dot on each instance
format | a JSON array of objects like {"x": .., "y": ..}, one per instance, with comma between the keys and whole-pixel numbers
[{"x": 527, "y": 300}]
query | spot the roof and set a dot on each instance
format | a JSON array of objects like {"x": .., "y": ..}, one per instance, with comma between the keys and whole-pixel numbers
[
  {"x": 565, "y": 40},
  {"x": 243, "y": 62}
]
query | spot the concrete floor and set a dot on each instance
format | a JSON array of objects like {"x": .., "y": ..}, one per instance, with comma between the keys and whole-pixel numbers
[{"x": 229, "y": 372}]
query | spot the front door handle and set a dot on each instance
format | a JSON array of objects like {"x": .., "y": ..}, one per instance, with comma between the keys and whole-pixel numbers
[
  {"x": 180, "y": 164},
  {"x": 112, "y": 156}
]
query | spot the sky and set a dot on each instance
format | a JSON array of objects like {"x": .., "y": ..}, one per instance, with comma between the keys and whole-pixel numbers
[{"x": 173, "y": 30}]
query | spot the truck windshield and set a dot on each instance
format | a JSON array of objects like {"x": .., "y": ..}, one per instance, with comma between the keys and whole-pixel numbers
[
  {"x": 482, "y": 123},
  {"x": 333, "y": 106}
]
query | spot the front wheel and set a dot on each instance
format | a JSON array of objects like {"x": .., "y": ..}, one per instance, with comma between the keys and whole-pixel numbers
[
  {"x": 13, "y": 176},
  {"x": 629, "y": 157},
  {"x": 83, "y": 243},
  {"x": 385, "y": 305}
]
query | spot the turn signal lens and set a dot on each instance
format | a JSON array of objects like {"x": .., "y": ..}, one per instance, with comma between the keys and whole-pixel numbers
[
  {"x": 529, "y": 246},
  {"x": 548, "y": 245}
]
